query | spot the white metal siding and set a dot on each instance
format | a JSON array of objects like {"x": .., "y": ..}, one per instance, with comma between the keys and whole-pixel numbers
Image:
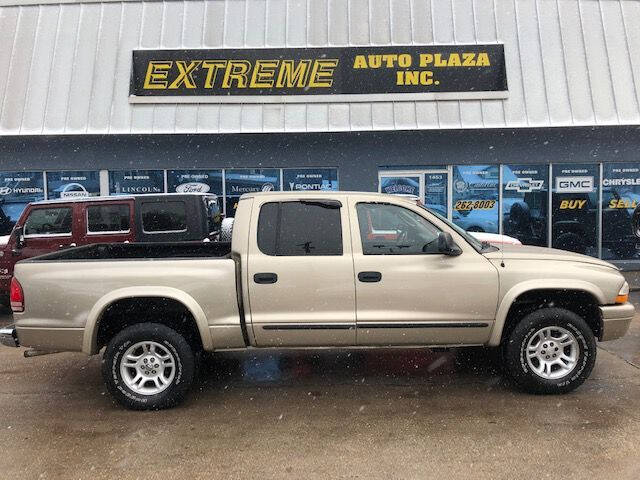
[{"x": 65, "y": 68}]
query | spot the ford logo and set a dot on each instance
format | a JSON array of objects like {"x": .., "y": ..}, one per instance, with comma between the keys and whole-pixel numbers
[{"x": 193, "y": 187}]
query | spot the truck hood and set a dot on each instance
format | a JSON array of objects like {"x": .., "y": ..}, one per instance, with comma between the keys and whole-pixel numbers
[{"x": 526, "y": 252}]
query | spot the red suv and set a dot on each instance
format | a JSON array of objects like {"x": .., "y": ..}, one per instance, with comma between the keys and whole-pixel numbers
[{"x": 50, "y": 225}]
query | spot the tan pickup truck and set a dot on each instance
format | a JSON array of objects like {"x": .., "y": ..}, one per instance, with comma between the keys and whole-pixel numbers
[{"x": 317, "y": 269}]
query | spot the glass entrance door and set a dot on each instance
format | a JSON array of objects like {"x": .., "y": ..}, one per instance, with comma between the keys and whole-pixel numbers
[{"x": 431, "y": 186}]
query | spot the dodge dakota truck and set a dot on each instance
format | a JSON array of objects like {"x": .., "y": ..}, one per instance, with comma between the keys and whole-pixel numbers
[{"x": 317, "y": 269}]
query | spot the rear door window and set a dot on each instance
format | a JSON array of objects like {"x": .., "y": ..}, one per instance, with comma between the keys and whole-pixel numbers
[
  {"x": 49, "y": 221},
  {"x": 114, "y": 218},
  {"x": 162, "y": 217},
  {"x": 300, "y": 228}
]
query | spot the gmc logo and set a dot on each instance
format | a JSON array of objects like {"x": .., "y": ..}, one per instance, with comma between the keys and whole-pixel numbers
[{"x": 574, "y": 184}]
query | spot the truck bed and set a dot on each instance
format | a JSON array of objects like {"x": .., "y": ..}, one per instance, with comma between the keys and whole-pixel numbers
[{"x": 143, "y": 250}]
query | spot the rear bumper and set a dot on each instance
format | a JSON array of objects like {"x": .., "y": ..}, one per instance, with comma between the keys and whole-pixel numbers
[
  {"x": 616, "y": 320},
  {"x": 8, "y": 336}
]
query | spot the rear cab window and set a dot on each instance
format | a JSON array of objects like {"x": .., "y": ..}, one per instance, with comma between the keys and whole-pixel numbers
[
  {"x": 300, "y": 228},
  {"x": 49, "y": 221}
]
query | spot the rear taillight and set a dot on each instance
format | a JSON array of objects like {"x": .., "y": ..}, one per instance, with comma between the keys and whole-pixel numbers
[{"x": 16, "y": 296}]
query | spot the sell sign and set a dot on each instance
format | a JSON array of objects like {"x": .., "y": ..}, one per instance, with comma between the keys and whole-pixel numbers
[{"x": 334, "y": 74}]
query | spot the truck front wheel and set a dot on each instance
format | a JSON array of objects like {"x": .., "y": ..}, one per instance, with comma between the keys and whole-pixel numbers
[
  {"x": 148, "y": 366},
  {"x": 551, "y": 350}
]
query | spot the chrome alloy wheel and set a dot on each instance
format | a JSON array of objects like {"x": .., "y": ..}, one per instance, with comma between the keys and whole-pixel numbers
[
  {"x": 552, "y": 352},
  {"x": 148, "y": 368}
]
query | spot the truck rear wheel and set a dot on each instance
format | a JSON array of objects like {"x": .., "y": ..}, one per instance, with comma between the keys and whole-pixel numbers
[
  {"x": 550, "y": 351},
  {"x": 148, "y": 366}
]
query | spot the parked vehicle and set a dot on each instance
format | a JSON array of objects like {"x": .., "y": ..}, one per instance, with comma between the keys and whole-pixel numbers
[
  {"x": 290, "y": 278},
  {"x": 51, "y": 225}
]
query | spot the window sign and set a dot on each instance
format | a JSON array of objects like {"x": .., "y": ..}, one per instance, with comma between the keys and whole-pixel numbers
[
  {"x": 309, "y": 179},
  {"x": 401, "y": 185},
  {"x": 525, "y": 197},
  {"x": 620, "y": 198},
  {"x": 134, "y": 182},
  {"x": 241, "y": 181},
  {"x": 73, "y": 184},
  {"x": 475, "y": 197},
  {"x": 435, "y": 192},
  {"x": 200, "y": 181},
  {"x": 16, "y": 190},
  {"x": 574, "y": 208}
]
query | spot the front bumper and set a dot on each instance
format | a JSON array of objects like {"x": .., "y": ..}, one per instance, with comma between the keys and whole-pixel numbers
[
  {"x": 616, "y": 320},
  {"x": 8, "y": 336}
]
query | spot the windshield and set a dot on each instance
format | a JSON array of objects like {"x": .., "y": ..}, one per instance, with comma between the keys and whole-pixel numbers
[{"x": 475, "y": 243}]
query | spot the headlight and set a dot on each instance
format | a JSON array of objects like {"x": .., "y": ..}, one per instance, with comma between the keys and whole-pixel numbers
[{"x": 623, "y": 294}]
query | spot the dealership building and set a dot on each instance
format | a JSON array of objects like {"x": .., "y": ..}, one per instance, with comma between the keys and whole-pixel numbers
[{"x": 512, "y": 116}]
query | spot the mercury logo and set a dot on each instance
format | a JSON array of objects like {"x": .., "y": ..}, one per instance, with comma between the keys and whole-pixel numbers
[{"x": 267, "y": 187}]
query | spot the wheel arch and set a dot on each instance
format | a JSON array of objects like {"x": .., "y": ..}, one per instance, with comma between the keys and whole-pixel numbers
[
  {"x": 90, "y": 338},
  {"x": 557, "y": 288}
]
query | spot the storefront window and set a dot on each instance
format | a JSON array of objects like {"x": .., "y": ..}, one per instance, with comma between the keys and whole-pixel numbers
[
  {"x": 620, "y": 198},
  {"x": 189, "y": 181},
  {"x": 240, "y": 181},
  {"x": 309, "y": 179},
  {"x": 525, "y": 197},
  {"x": 133, "y": 182},
  {"x": 475, "y": 197},
  {"x": 401, "y": 185},
  {"x": 73, "y": 184},
  {"x": 574, "y": 208},
  {"x": 435, "y": 192},
  {"x": 16, "y": 190}
]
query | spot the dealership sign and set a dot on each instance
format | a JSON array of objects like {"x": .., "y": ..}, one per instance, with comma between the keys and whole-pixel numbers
[
  {"x": 194, "y": 181},
  {"x": 310, "y": 179},
  {"x": 21, "y": 187},
  {"x": 333, "y": 74},
  {"x": 130, "y": 182},
  {"x": 73, "y": 184}
]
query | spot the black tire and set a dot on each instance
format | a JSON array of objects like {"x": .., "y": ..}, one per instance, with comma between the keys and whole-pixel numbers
[
  {"x": 173, "y": 342},
  {"x": 515, "y": 345}
]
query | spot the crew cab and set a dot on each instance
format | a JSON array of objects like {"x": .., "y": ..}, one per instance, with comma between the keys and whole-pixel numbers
[
  {"x": 51, "y": 225},
  {"x": 317, "y": 269}
]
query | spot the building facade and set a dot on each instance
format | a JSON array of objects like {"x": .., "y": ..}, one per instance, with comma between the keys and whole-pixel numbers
[{"x": 513, "y": 116}]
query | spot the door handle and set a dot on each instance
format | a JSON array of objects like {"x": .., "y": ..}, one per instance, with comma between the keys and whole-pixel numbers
[
  {"x": 369, "y": 277},
  {"x": 264, "y": 278}
]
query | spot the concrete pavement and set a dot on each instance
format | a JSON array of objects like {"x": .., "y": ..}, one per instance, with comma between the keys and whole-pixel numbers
[{"x": 330, "y": 414}]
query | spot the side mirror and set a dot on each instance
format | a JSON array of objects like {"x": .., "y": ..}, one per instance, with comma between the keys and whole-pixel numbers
[
  {"x": 447, "y": 246},
  {"x": 18, "y": 232}
]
